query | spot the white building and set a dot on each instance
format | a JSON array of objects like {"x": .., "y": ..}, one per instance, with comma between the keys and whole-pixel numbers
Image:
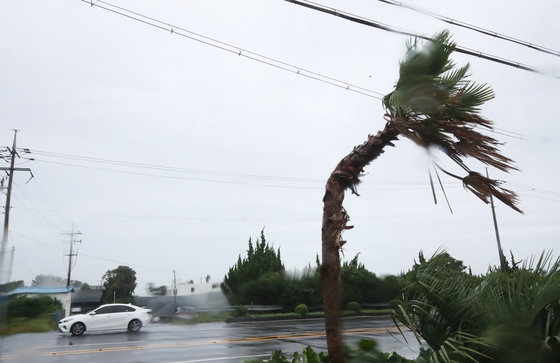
[{"x": 190, "y": 288}]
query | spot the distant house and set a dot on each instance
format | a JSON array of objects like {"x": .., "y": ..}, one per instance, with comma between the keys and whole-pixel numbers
[
  {"x": 85, "y": 300},
  {"x": 190, "y": 288},
  {"x": 62, "y": 294}
]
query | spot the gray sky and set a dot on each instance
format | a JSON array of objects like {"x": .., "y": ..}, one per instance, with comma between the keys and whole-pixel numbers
[{"x": 230, "y": 145}]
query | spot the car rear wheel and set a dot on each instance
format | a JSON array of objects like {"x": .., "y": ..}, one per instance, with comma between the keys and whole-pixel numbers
[
  {"x": 78, "y": 329},
  {"x": 134, "y": 325}
]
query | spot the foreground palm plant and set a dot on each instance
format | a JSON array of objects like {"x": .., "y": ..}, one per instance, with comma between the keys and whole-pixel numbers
[
  {"x": 435, "y": 105},
  {"x": 503, "y": 317}
]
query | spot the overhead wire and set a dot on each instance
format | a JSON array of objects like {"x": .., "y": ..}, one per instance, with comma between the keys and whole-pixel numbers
[
  {"x": 375, "y": 24},
  {"x": 39, "y": 216},
  {"x": 174, "y": 29},
  {"x": 211, "y": 180},
  {"x": 540, "y": 198},
  {"x": 189, "y": 170},
  {"x": 410, "y": 185},
  {"x": 234, "y": 182},
  {"x": 537, "y": 190},
  {"x": 177, "y": 30},
  {"x": 170, "y": 168},
  {"x": 23, "y": 260},
  {"x": 481, "y": 30},
  {"x": 243, "y": 219},
  {"x": 177, "y": 177},
  {"x": 91, "y": 256}
]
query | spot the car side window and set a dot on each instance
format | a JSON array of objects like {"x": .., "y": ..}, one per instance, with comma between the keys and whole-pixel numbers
[
  {"x": 103, "y": 310},
  {"x": 119, "y": 309},
  {"x": 130, "y": 308}
]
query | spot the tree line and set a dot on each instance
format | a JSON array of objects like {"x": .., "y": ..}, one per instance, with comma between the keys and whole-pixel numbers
[{"x": 260, "y": 278}]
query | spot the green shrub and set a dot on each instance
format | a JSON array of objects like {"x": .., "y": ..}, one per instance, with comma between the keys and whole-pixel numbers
[
  {"x": 503, "y": 316},
  {"x": 308, "y": 356},
  {"x": 31, "y": 307},
  {"x": 366, "y": 352},
  {"x": 241, "y": 310},
  {"x": 301, "y": 309},
  {"x": 354, "y": 306}
]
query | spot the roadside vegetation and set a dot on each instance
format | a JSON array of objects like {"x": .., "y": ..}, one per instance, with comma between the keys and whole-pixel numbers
[
  {"x": 29, "y": 315},
  {"x": 509, "y": 315},
  {"x": 233, "y": 316},
  {"x": 365, "y": 351},
  {"x": 261, "y": 279}
]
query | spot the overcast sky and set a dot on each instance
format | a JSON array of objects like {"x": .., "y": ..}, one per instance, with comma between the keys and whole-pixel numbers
[{"x": 168, "y": 154}]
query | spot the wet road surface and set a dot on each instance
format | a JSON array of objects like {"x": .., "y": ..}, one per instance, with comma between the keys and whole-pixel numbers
[{"x": 210, "y": 342}]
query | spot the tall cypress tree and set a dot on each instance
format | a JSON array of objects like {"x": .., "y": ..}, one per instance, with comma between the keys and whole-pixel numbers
[{"x": 262, "y": 262}]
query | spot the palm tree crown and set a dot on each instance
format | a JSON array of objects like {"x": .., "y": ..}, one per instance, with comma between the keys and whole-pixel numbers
[{"x": 435, "y": 105}]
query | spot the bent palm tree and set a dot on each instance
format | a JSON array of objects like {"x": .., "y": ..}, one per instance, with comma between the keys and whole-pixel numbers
[{"x": 435, "y": 105}]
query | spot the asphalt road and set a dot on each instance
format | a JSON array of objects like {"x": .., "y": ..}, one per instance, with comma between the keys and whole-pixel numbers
[{"x": 210, "y": 342}]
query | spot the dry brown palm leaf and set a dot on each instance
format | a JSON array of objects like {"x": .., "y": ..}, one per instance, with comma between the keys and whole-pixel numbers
[{"x": 484, "y": 188}]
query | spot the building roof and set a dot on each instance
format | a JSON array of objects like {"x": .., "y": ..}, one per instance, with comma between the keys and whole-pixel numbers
[
  {"x": 85, "y": 296},
  {"x": 42, "y": 290}
]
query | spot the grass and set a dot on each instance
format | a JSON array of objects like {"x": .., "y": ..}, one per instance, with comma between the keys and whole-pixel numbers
[
  {"x": 203, "y": 318},
  {"x": 229, "y": 316},
  {"x": 27, "y": 325}
]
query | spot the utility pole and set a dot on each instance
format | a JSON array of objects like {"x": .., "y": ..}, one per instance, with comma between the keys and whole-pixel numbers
[
  {"x": 10, "y": 171},
  {"x": 503, "y": 263},
  {"x": 71, "y": 254},
  {"x": 175, "y": 290},
  {"x": 11, "y": 264}
]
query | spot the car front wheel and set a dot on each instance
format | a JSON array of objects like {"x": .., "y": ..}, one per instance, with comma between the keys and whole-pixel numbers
[
  {"x": 78, "y": 329},
  {"x": 134, "y": 325}
]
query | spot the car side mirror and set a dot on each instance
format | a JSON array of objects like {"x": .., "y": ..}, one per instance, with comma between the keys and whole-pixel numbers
[{"x": 92, "y": 313}]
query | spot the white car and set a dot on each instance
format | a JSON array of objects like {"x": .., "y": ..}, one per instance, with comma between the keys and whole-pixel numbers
[{"x": 107, "y": 317}]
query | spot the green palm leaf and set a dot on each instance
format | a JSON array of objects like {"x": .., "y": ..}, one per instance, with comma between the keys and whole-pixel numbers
[{"x": 435, "y": 105}]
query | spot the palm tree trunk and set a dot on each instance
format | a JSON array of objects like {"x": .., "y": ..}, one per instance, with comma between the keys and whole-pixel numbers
[{"x": 345, "y": 175}]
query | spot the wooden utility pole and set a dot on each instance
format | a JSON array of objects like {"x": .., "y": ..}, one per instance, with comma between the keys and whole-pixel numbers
[
  {"x": 71, "y": 254},
  {"x": 175, "y": 290},
  {"x": 10, "y": 171},
  {"x": 12, "y": 256},
  {"x": 503, "y": 262}
]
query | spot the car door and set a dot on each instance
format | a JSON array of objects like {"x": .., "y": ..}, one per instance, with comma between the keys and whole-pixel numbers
[
  {"x": 121, "y": 317},
  {"x": 99, "y": 319}
]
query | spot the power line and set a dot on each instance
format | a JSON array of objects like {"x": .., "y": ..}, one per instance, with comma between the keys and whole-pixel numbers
[
  {"x": 242, "y": 219},
  {"x": 540, "y": 198},
  {"x": 177, "y": 177},
  {"x": 367, "y": 183},
  {"x": 221, "y": 181},
  {"x": 185, "y": 33},
  {"x": 481, "y": 30},
  {"x": 286, "y": 66},
  {"x": 170, "y": 168},
  {"x": 537, "y": 190},
  {"x": 385, "y": 27},
  {"x": 91, "y": 256},
  {"x": 39, "y": 216},
  {"x": 194, "y": 171}
]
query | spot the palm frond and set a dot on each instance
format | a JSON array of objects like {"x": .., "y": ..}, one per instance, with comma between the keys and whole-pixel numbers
[
  {"x": 435, "y": 105},
  {"x": 484, "y": 188},
  {"x": 455, "y": 77}
]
